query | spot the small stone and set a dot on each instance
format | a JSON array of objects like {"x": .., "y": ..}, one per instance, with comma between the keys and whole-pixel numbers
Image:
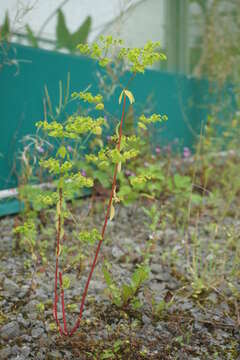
[
  {"x": 25, "y": 351},
  {"x": 41, "y": 354},
  {"x": 54, "y": 355},
  {"x": 2, "y": 277},
  {"x": 172, "y": 285},
  {"x": 4, "y": 353},
  {"x": 156, "y": 268},
  {"x": 10, "y": 286},
  {"x": 26, "y": 338},
  {"x": 157, "y": 288},
  {"x": 67, "y": 354},
  {"x": 198, "y": 326},
  {"x": 213, "y": 298},
  {"x": 37, "y": 332},
  {"x": 41, "y": 295},
  {"x": 187, "y": 305},
  {"x": 15, "y": 350},
  {"x": 23, "y": 291},
  {"x": 10, "y": 330},
  {"x": 21, "y": 321},
  {"x": 160, "y": 326},
  {"x": 170, "y": 234},
  {"x": 163, "y": 276},
  {"x": 31, "y": 307},
  {"x": 98, "y": 286},
  {"x": 116, "y": 252},
  {"x": 146, "y": 320}
]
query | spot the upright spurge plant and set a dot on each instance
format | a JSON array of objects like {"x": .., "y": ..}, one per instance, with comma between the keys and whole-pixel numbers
[{"x": 77, "y": 128}]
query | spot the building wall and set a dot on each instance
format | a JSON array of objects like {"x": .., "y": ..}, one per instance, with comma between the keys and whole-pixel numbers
[
  {"x": 101, "y": 11},
  {"x": 144, "y": 21}
]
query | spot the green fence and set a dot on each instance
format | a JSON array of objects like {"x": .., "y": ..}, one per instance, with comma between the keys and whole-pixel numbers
[{"x": 26, "y": 71}]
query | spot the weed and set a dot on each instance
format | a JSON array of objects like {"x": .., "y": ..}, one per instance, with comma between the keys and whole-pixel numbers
[
  {"x": 62, "y": 166},
  {"x": 126, "y": 294}
]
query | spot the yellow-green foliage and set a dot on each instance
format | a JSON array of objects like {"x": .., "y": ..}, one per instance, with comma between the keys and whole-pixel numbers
[
  {"x": 137, "y": 58},
  {"x": 78, "y": 128}
]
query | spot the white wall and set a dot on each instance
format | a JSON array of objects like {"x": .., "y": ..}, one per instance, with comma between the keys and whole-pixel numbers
[
  {"x": 146, "y": 21},
  {"x": 102, "y": 11}
]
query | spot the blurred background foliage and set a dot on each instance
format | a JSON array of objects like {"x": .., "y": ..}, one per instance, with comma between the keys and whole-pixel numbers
[{"x": 64, "y": 38}]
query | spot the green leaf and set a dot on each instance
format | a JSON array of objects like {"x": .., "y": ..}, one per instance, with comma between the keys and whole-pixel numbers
[
  {"x": 65, "y": 282},
  {"x": 107, "y": 276},
  {"x": 40, "y": 307},
  {"x": 107, "y": 354},
  {"x": 196, "y": 199},
  {"x": 70, "y": 41},
  {"x": 127, "y": 293},
  {"x": 182, "y": 182},
  {"x": 117, "y": 345},
  {"x": 142, "y": 126},
  {"x": 139, "y": 276},
  {"x": 103, "y": 177},
  {"x": 136, "y": 303},
  {"x": 81, "y": 35},
  {"x": 31, "y": 37},
  {"x": 62, "y": 33},
  {"x": 161, "y": 306},
  {"x": 5, "y": 28},
  {"x": 62, "y": 152}
]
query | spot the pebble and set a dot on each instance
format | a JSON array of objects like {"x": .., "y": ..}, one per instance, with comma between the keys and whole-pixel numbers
[
  {"x": 16, "y": 350},
  {"x": 25, "y": 351},
  {"x": 146, "y": 320},
  {"x": 10, "y": 330},
  {"x": 33, "y": 337},
  {"x": 31, "y": 307},
  {"x": 156, "y": 268},
  {"x": 10, "y": 286},
  {"x": 55, "y": 355},
  {"x": 37, "y": 332},
  {"x": 5, "y": 352},
  {"x": 116, "y": 252},
  {"x": 21, "y": 321}
]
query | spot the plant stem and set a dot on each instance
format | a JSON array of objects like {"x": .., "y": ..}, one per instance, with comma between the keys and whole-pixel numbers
[
  {"x": 63, "y": 306},
  {"x": 74, "y": 329},
  {"x": 59, "y": 222},
  {"x": 76, "y": 326}
]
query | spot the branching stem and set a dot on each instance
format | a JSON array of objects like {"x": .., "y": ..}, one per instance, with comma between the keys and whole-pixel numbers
[{"x": 77, "y": 324}]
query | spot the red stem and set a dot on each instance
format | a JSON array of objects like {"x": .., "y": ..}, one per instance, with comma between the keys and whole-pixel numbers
[
  {"x": 74, "y": 329},
  {"x": 63, "y": 306},
  {"x": 56, "y": 267}
]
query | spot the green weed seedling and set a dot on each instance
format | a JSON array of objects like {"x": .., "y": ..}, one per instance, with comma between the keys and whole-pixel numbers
[
  {"x": 28, "y": 235},
  {"x": 161, "y": 307},
  {"x": 154, "y": 215},
  {"x": 78, "y": 129},
  {"x": 126, "y": 294}
]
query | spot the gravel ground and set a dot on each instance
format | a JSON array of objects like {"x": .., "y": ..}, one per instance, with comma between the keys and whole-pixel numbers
[{"x": 202, "y": 327}]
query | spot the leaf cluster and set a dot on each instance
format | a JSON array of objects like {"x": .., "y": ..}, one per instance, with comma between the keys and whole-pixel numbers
[
  {"x": 136, "y": 58},
  {"x": 126, "y": 294}
]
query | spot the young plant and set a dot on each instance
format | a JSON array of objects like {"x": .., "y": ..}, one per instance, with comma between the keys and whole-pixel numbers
[
  {"x": 126, "y": 294},
  {"x": 63, "y": 168},
  {"x": 154, "y": 216}
]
